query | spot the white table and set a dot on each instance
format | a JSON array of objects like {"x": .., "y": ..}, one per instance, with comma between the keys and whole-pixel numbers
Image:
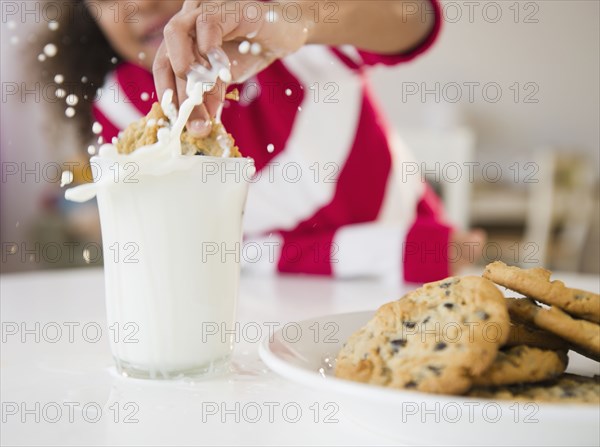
[{"x": 62, "y": 390}]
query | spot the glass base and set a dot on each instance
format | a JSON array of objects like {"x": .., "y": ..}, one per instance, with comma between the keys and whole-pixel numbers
[{"x": 215, "y": 368}]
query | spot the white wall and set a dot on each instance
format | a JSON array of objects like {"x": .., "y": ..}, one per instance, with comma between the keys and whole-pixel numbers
[{"x": 560, "y": 54}]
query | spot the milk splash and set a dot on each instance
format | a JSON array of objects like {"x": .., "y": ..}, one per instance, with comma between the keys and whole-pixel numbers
[{"x": 164, "y": 156}]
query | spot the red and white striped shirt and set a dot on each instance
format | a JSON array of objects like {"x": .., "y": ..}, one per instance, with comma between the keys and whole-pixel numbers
[{"x": 330, "y": 198}]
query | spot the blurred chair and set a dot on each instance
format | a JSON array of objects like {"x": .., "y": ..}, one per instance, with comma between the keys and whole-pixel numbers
[
  {"x": 575, "y": 183},
  {"x": 554, "y": 208},
  {"x": 590, "y": 262},
  {"x": 445, "y": 155}
]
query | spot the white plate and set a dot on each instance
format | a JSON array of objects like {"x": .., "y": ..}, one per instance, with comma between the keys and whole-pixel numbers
[{"x": 304, "y": 352}]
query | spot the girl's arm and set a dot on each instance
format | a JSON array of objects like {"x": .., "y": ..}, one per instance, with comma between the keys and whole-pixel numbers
[
  {"x": 276, "y": 30},
  {"x": 380, "y": 26}
]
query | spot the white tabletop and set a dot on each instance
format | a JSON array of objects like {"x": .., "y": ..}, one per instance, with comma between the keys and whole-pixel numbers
[{"x": 62, "y": 389}]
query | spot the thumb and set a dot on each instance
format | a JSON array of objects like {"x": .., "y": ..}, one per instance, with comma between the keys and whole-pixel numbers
[{"x": 198, "y": 124}]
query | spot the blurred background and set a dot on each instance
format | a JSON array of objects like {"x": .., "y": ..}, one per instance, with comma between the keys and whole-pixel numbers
[{"x": 503, "y": 115}]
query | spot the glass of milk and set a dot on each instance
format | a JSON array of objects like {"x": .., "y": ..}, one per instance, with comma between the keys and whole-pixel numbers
[{"x": 171, "y": 246}]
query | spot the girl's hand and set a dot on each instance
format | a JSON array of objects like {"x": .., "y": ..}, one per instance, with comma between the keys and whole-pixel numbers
[
  {"x": 251, "y": 37},
  {"x": 470, "y": 246}
]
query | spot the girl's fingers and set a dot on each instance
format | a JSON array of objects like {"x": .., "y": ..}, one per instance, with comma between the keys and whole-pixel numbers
[
  {"x": 199, "y": 124},
  {"x": 190, "y": 5},
  {"x": 244, "y": 66},
  {"x": 164, "y": 78},
  {"x": 215, "y": 98},
  {"x": 178, "y": 38},
  {"x": 189, "y": 37},
  {"x": 214, "y": 28}
]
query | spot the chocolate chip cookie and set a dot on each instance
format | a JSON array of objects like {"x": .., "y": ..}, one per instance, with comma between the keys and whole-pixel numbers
[
  {"x": 521, "y": 334},
  {"x": 523, "y": 364},
  {"x": 583, "y": 336},
  {"x": 435, "y": 339},
  {"x": 536, "y": 284},
  {"x": 568, "y": 388},
  {"x": 144, "y": 132}
]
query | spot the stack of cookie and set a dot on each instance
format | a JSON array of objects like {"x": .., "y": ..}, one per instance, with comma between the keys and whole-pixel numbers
[
  {"x": 573, "y": 315},
  {"x": 461, "y": 336},
  {"x": 568, "y": 319}
]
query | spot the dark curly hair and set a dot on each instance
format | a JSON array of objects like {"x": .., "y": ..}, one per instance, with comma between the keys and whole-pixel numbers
[{"x": 84, "y": 58}]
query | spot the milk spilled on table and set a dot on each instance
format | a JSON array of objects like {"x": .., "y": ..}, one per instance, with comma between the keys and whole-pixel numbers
[{"x": 170, "y": 227}]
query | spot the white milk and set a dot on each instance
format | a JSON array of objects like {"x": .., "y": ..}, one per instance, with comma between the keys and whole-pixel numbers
[
  {"x": 161, "y": 270},
  {"x": 171, "y": 233}
]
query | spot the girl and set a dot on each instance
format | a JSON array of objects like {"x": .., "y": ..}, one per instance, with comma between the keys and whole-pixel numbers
[{"x": 330, "y": 198}]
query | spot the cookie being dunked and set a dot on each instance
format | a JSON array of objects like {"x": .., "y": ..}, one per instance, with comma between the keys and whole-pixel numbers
[
  {"x": 435, "y": 339},
  {"x": 145, "y": 132}
]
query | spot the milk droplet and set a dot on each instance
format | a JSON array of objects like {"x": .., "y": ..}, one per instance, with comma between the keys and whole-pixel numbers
[
  {"x": 86, "y": 255},
  {"x": 91, "y": 149},
  {"x": 299, "y": 109},
  {"x": 60, "y": 93},
  {"x": 84, "y": 79},
  {"x": 41, "y": 57},
  {"x": 50, "y": 50},
  {"x": 14, "y": 40},
  {"x": 100, "y": 140},
  {"x": 59, "y": 79},
  {"x": 225, "y": 75},
  {"x": 11, "y": 25},
  {"x": 141, "y": 55},
  {"x": 288, "y": 92},
  {"x": 113, "y": 60},
  {"x": 97, "y": 128},
  {"x": 72, "y": 100},
  {"x": 255, "y": 49},
  {"x": 145, "y": 96},
  {"x": 234, "y": 63},
  {"x": 53, "y": 25},
  {"x": 244, "y": 47},
  {"x": 70, "y": 112},
  {"x": 270, "y": 148},
  {"x": 66, "y": 178},
  {"x": 114, "y": 140}
]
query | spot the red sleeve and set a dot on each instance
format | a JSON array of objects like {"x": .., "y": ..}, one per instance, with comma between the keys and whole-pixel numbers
[
  {"x": 426, "y": 246},
  {"x": 109, "y": 130},
  {"x": 308, "y": 253},
  {"x": 424, "y": 253},
  {"x": 369, "y": 58},
  {"x": 130, "y": 82}
]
